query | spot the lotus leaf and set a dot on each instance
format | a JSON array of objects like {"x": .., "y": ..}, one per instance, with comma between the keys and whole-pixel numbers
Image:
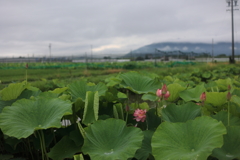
[
  {"x": 25, "y": 116},
  {"x": 138, "y": 83},
  {"x": 79, "y": 89},
  {"x": 12, "y": 91},
  {"x": 174, "y": 90},
  {"x": 206, "y": 75},
  {"x": 65, "y": 148},
  {"x": 217, "y": 99},
  {"x": 223, "y": 83},
  {"x": 150, "y": 97},
  {"x": 111, "y": 139},
  {"x": 91, "y": 108},
  {"x": 146, "y": 149},
  {"x": 231, "y": 146},
  {"x": 223, "y": 117},
  {"x": 194, "y": 139},
  {"x": 192, "y": 94},
  {"x": 181, "y": 113},
  {"x": 153, "y": 120}
]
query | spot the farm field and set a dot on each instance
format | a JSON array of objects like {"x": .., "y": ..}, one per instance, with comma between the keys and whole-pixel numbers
[
  {"x": 39, "y": 73},
  {"x": 181, "y": 111}
]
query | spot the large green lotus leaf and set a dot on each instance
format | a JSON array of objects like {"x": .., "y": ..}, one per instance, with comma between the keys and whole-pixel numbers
[
  {"x": 235, "y": 99},
  {"x": 5, "y": 103},
  {"x": 79, "y": 89},
  {"x": 111, "y": 139},
  {"x": 27, "y": 93},
  {"x": 236, "y": 92},
  {"x": 217, "y": 99},
  {"x": 153, "y": 120},
  {"x": 223, "y": 117},
  {"x": 206, "y": 74},
  {"x": 174, "y": 90},
  {"x": 25, "y": 116},
  {"x": 12, "y": 91},
  {"x": 223, "y": 83},
  {"x": 231, "y": 147},
  {"x": 91, "y": 108},
  {"x": 194, "y": 139},
  {"x": 211, "y": 85},
  {"x": 192, "y": 94},
  {"x": 146, "y": 149},
  {"x": 181, "y": 113},
  {"x": 65, "y": 148},
  {"x": 138, "y": 83},
  {"x": 112, "y": 81}
]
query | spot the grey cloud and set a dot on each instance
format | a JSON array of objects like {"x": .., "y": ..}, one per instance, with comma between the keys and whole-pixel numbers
[{"x": 72, "y": 26}]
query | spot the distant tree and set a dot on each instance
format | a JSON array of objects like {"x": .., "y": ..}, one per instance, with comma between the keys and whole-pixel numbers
[
  {"x": 221, "y": 56},
  {"x": 139, "y": 58}
]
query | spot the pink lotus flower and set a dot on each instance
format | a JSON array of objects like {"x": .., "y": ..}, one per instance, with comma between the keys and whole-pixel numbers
[{"x": 140, "y": 115}]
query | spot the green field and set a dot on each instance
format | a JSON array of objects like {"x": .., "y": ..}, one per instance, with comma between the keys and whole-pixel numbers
[
  {"x": 41, "y": 75},
  {"x": 164, "y": 111}
]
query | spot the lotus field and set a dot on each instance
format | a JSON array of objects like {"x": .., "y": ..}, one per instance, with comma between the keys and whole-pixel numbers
[{"x": 132, "y": 116}]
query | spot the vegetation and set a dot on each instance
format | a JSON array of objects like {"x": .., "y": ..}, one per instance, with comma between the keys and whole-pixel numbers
[{"x": 162, "y": 113}]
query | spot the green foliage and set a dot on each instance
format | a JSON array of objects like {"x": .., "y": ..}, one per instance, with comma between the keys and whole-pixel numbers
[
  {"x": 191, "y": 140},
  {"x": 181, "y": 113},
  {"x": 26, "y": 116},
  {"x": 88, "y": 119},
  {"x": 111, "y": 139}
]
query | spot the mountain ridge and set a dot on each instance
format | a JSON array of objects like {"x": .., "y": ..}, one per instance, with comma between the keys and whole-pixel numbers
[{"x": 194, "y": 47}]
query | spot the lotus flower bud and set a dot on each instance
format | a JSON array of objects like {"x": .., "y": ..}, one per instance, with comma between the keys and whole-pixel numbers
[
  {"x": 159, "y": 93},
  {"x": 229, "y": 96},
  {"x": 164, "y": 89},
  {"x": 166, "y": 95},
  {"x": 229, "y": 87},
  {"x": 203, "y": 97},
  {"x": 127, "y": 108}
]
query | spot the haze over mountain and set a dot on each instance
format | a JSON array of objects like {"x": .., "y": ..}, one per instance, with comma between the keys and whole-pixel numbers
[{"x": 199, "y": 48}]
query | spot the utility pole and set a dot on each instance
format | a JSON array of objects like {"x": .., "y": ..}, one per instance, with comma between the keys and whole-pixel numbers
[
  {"x": 230, "y": 4},
  {"x": 91, "y": 54},
  {"x": 50, "y": 52},
  {"x": 212, "y": 50}
]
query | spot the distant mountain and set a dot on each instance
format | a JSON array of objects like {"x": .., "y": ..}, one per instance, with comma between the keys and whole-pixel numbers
[{"x": 186, "y": 47}]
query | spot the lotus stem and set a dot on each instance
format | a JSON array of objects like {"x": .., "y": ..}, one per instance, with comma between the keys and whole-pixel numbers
[
  {"x": 44, "y": 146},
  {"x": 156, "y": 108},
  {"x": 228, "y": 114},
  {"x": 40, "y": 137},
  {"x": 126, "y": 117},
  {"x": 26, "y": 76},
  {"x": 54, "y": 137}
]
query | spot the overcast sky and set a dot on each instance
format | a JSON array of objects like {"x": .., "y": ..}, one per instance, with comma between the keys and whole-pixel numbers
[{"x": 109, "y": 26}]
